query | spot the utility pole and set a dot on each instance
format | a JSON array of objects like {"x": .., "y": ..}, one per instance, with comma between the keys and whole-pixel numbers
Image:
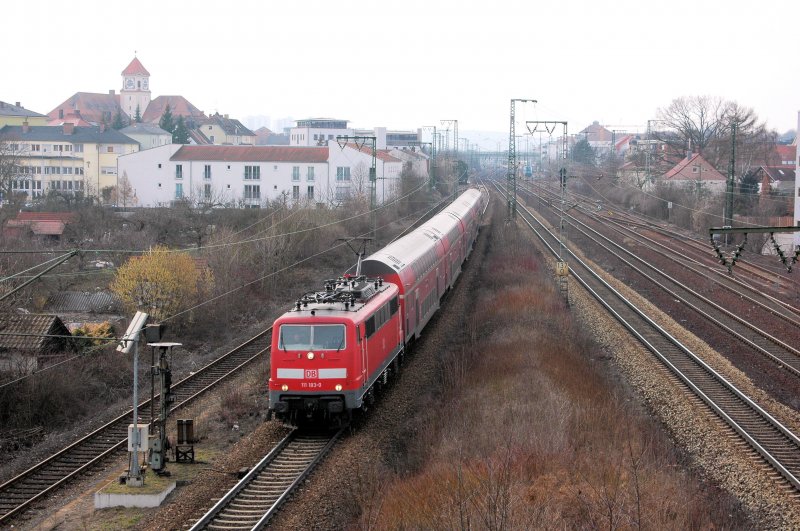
[
  {"x": 454, "y": 155},
  {"x": 512, "y": 162},
  {"x": 433, "y": 156},
  {"x": 730, "y": 183},
  {"x": 562, "y": 268}
]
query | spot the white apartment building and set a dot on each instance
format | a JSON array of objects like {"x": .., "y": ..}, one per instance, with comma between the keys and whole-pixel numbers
[
  {"x": 251, "y": 176},
  {"x": 349, "y": 168},
  {"x": 230, "y": 176}
]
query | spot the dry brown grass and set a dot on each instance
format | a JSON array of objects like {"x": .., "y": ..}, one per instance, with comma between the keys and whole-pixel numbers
[{"x": 531, "y": 430}]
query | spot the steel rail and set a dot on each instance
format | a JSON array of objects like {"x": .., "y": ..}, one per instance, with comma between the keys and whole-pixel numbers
[
  {"x": 258, "y": 514},
  {"x": 781, "y": 439},
  {"x": 121, "y": 422}
]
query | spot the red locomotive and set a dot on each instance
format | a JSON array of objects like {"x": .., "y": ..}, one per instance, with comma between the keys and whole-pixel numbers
[{"x": 336, "y": 345}]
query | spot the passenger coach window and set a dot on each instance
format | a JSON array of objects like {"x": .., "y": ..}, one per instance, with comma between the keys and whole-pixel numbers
[{"x": 370, "y": 325}]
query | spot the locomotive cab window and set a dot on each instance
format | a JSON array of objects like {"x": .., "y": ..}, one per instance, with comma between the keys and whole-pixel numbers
[{"x": 311, "y": 337}]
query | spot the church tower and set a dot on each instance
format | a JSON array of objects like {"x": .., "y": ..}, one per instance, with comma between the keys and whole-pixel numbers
[{"x": 135, "y": 89}]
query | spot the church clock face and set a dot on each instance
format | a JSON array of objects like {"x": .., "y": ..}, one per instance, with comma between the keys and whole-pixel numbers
[{"x": 129, "y": 83}]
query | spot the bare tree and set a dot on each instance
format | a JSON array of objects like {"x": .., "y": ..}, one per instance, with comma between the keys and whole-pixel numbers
[
  {"x": 703, "y": 124},
  {"x": 124, "y": 194}
]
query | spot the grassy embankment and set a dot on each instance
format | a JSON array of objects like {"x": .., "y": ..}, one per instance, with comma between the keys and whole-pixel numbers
[{"x": 535, "y": 430}]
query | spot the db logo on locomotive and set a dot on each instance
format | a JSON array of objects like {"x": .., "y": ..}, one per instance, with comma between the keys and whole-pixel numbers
[{"x": 311, "y": 373}]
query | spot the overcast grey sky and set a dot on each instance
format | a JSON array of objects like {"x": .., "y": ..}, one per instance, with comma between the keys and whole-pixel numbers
[{"x": 410, "y": 63}]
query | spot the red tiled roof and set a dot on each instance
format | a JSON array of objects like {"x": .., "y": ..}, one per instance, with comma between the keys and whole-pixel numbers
[
  {"x": 70, "y": 118},
  {"x": 380, "y": 154},
  {"x": 64, "y": 217},
  {"x": 135, "y": 68},
  {"x": 178, "y": 106},
  {"x": 91, "y": 106},
  {"x": 708, "y": 172},
  {"x": 252, "y": 153}
]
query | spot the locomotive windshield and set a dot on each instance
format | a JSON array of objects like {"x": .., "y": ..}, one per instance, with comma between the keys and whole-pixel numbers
[{"x": 311, "y": 337}]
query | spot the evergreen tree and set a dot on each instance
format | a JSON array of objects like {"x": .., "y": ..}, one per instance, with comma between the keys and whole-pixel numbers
[
  {"x": 167, "y": 122},
  {"x": 582, "y": 152},
  {"x": 181, "y": 133},
  {"x": 138, "y": 116},
  {"x": 119, "y": 121}
]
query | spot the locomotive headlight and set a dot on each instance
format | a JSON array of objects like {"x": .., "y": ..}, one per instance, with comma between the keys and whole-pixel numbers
[
  {"x": 310, "y": 355},
  {"x": 284, "y": 387},
  {"x": 338, "y": 387}
]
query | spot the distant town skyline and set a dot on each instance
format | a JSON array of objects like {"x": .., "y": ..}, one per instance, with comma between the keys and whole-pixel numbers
[{"x": 407, "y": 66}]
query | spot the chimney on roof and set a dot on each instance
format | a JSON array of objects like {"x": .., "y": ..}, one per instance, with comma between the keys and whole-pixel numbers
[
  {"x": 102, "y": 127},
  {"x": 25, "y": 127},
  {"x": 111, "y": 92},
  {"x": 226, "y": 116},
  {"x": 69, "y": 128},
  {"x": 18, "y": 105}
]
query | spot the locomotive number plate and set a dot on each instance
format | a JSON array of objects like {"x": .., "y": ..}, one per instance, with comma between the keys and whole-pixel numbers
[{"x": 311, "y": 385}]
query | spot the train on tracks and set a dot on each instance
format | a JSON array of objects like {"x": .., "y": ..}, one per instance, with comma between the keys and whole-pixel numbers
[{"x": 338, "y": 345}]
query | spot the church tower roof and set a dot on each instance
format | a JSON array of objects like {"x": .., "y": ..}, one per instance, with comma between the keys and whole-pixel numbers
[{"x": 135, "y": 68}]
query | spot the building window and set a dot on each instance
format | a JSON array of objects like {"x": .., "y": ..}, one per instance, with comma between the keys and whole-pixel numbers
[
  {"x": 207, "y": 191},
  {"x": 295, "y": 173},
  {"x": 252, "y": 173},
  {"x": 159, "y": 165},
  {"x": 110, "y": 149},
  {"x": 310, "y": 173},
  {"x": 343, "y": 173},
  {"x": 342, "y": 192},
  {"x": 311, "y": 192},
  {"x": 212, "y": 139},
  {"x": 36, "y": 147},
  {"x": 178, "y": 190},
  {"x": 207, "y": 171},
  {"x": 179, "y": 171},
  {"x": 295, "y": 192},
  {"x": 78, "y": 148},
  {"x": 252, "y": 191}
]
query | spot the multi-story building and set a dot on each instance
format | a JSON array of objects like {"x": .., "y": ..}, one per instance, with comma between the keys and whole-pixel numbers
[
  {"x": 251, "y": 176},
  {"x": 317, "y": 131},
  {"x": 65, "y": 158},
  {"x": 232, "y": 176}
]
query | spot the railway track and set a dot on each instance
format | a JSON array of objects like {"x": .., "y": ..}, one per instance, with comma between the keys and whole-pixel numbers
[
  {"x": 774, "y": 443},
  {"x": 18, "y": 493},
  {"x": 699, "y": 247},
  {"x": 777, "y": 351},
  {"x": 258, "y": 496}
]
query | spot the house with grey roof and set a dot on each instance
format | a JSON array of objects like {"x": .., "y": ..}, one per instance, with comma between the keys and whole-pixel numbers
[
  {"x": 25, "y": 339},
  {"x": 17, "y": 114},
  {"x": 148, "y": 135}
]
